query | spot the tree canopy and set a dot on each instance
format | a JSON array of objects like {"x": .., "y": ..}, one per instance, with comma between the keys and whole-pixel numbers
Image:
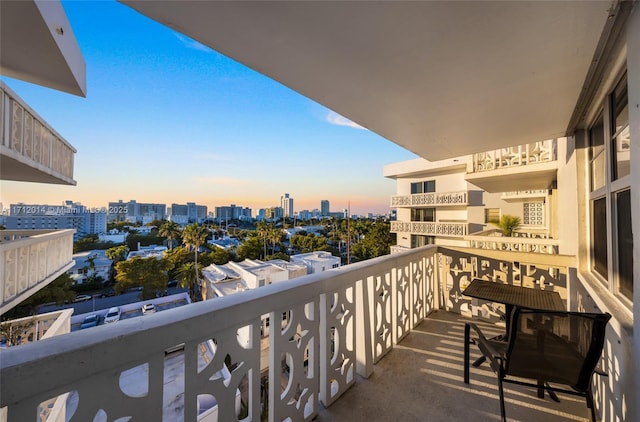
[{"x": 148, "y": 273}]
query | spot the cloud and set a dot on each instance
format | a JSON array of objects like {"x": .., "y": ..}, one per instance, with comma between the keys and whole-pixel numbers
[
  {"x": 192, "y": 44},
  {"x": 336, "y": 119},
  {"x": 221, "y": 181}
]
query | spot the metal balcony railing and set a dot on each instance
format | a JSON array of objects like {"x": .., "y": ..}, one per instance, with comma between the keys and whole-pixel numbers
[{"x": 338, "y": 323}]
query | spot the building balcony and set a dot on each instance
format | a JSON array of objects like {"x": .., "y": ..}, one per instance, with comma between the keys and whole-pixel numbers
[
  {"x": 30, "y": 150},
  {"x": 391, "y": 327},
  {"x": 31, "y": 259},
  {"x": 518, "y": 168},
  {"x": 433, "y": 199},
  {"x": 429, "y": 228},
  {"x": 525, "y": 240},
  {"x": 524, "y": 194}
]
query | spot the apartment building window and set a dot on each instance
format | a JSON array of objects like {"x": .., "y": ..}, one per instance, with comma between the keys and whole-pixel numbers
[
  {"x": 423, "y": 214},
  {"x": 420, "y": 240},
  {"x": 491, "y": 215},
  {"x": 610, "y": 186},
  {"x": 423, "y": 187}
]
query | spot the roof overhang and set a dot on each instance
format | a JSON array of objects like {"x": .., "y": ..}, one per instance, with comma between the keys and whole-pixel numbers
[
  {"x": 37, "y": 45},
  {"x": 440, "y": 78}
]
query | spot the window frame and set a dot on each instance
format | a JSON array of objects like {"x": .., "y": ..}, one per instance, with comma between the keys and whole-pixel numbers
[{"x": 609, "y": 192}]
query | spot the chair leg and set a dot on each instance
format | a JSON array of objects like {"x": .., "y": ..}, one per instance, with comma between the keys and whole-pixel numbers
[
  {"x": 467, "y": 340},
  {"x": 501, "y": 392},
  {"x": 591, "y": 405}
]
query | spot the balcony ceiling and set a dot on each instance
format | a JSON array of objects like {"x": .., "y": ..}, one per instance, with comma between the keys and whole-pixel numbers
[
  {"x": 441, "y": 79},
  {"x": 521, "y": 178},
  {"x": 37, "y": 45}
]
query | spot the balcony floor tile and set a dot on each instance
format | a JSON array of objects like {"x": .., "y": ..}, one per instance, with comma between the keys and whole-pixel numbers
[{"x": 421, "y": 380}]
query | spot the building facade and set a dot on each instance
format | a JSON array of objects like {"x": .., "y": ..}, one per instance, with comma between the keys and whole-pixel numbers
[
  {"x": 436, "y": 202},
  {"x": 324, "y": 208},
  {"x": 286, "y": 202}
]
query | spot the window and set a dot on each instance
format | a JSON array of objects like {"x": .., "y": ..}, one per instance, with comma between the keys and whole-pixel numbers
[
  {"x": 491, "y": 215},
  {"x": 625, "y": 244},
  {"x": 419, "y": 240},
  {"x": 599, "y": 237},
  {"x": 423, "y": 214},
  {"x": 596, "y": 155},
  {"x": 423, "y": 187},
  {"x": 611, "y": 241},
  {"x": 620, "y": 142}
]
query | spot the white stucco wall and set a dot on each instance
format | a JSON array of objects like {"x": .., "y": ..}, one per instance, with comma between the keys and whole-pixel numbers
[{"x": 633, "y": 75}]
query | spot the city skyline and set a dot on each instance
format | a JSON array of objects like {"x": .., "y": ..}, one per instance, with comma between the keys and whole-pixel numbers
[{"x": 166, "y": 120}]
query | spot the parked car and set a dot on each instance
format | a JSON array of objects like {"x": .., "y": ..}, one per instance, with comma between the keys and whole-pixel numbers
[
  {"x": 107, "y": 293},
  {"x": 172, "y": 283},
  {"x": 113, "y": 315},
  {"x": 89, "y": 321},
  {"x": 82, "y": 298},
  {"x": 148, "y": 308}
]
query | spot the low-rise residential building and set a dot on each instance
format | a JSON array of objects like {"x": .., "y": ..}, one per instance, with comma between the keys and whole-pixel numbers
[
  {"x": 152, "y": 251},
  {"x": 317, "y": 261},
  {"x": 90, "y": 264}
]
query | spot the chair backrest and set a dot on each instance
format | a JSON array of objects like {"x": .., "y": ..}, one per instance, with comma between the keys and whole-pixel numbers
[{"x": 559, "y": 347}]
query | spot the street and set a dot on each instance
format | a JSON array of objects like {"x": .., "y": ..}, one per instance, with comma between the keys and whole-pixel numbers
[{"x": 97, "y": 303}]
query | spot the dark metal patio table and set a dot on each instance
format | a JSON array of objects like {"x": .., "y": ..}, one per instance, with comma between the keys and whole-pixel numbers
[{"x": 510, "y": 296}]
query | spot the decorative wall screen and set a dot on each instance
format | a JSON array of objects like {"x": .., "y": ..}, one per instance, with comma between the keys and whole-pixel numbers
[{"x": 533, "y": 213}]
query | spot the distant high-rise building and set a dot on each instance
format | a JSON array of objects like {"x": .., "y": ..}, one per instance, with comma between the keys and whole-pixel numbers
[
  {"x": 136, "y": 212},
  {"x": 286, "y": 202},
  {"x": 324, "y": 208},
  {"x": 232, "y": 212},
  {"x": 69, "y": 215},
  {"x": 189, "y": 213}
]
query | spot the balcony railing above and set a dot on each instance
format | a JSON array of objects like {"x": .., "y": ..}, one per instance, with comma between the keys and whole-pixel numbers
[
  {"x": 529, "y": 241},
  {"x": 432, "y": 199},
  {"x": 30, "y": 150},
  {"x": 429, "y": 228},
  {"x": 520, "y": 155},
  {"x": 29, "y": 259},
  {"x": 524, "y": 194}
]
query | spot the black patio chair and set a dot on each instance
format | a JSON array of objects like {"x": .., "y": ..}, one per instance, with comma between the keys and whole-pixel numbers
[{"x": 545, "y": 346}]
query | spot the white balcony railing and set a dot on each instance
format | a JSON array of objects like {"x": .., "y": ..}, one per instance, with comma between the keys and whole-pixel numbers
[
  {"x": 432, "y": 199},
  {"x": 522, "y": 194},
  {"x": 520, "y": 155},
  {"x": 28, "y": 142},
  {"x": 430, "y": 228},
  {"x": 339, "y": 322},
  {"x": 30, "y": 257},
  {"x": 529, "y": 241}
]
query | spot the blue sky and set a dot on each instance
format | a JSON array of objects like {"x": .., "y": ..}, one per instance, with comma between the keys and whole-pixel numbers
[{"x": 169, "y": 120}]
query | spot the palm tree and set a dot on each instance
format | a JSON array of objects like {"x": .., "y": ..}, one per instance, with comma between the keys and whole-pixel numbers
[
  {"x": 262, "y": 230},
  {"x": 193, "y": 236},
  {"x": 188, "y": 278},
  {"x": 509, "y": 224},
  {"x": 275, "y": 235},
  {"x": 170, "y": 230}
]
